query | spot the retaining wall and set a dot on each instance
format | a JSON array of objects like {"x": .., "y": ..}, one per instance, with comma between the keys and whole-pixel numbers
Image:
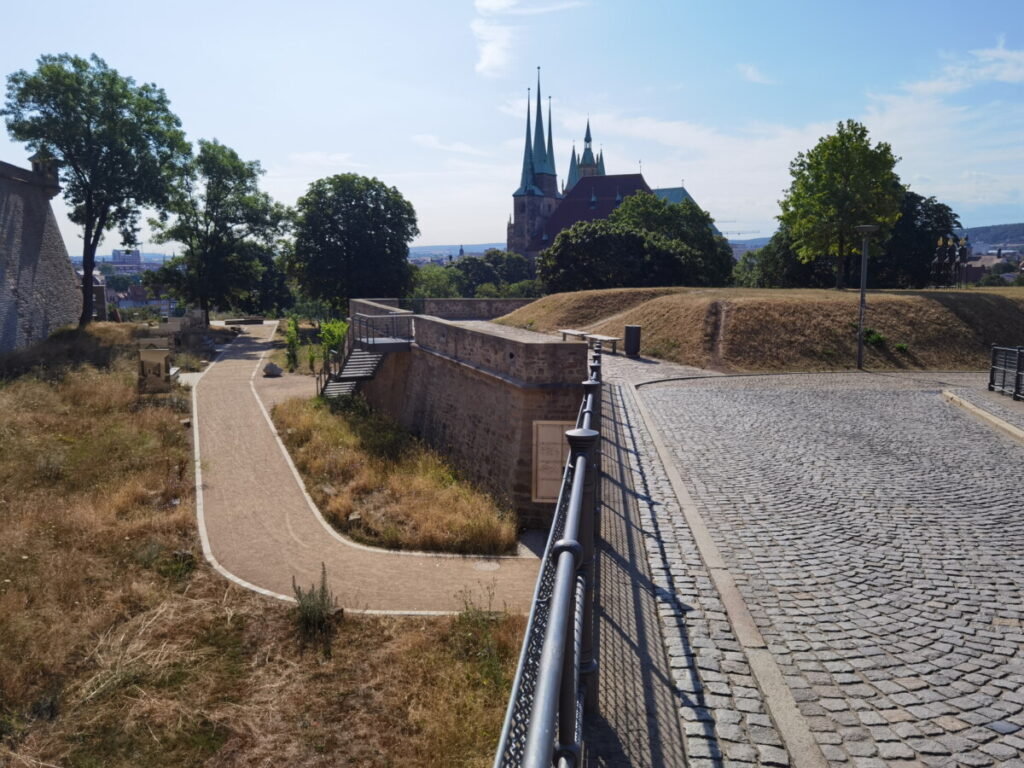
[
  {"x": 474, "y": 395},
  {"x": 39, "y": 291}
]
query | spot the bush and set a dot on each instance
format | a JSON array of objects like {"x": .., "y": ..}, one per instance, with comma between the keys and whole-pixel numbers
[
  {"x": 291, "y": 338},
  {"x": 314, "y": 609}
]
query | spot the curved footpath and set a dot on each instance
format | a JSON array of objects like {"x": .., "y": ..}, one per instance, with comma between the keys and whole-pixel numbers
[{"x": 260, "y": 529}]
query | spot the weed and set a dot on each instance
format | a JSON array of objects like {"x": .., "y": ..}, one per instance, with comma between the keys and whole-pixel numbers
[
  {"x": 901, "y": 346},
  {"x": 314, "y": 612},
  {"x": 873, "y": 338}
]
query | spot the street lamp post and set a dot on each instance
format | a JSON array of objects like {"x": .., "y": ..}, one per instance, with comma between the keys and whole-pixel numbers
[{"x": 865, "y": 230}]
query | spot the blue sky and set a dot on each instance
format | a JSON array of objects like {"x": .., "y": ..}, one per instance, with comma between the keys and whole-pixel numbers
[{"x": 430, "y": 97}]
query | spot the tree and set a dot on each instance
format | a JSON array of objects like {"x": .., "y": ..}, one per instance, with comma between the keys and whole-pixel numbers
[
  {"x": 842, "y": 182},
  {"x": 604, "y": 254},
  {"x": 684, "y": 222},
  {"x": 776, "y": 265},
  {"x": 117, "y": 145},
  {"x": 433, "y": 281},
  {"x": 352, "y": 236},
  {"x": 906, "y": 259},
  {"x": 226, "y": 225}
]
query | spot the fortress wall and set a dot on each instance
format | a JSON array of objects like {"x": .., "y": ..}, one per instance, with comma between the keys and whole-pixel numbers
[
  {"x": 474, "y": 396},
  {"x": 39, "y": 291},
  {"x": 472, "y": 309}
]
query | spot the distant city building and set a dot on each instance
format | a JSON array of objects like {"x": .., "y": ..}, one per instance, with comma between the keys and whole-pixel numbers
[
  {"x": 119, "y": 256},
  {"x": 540, "y": 210}
]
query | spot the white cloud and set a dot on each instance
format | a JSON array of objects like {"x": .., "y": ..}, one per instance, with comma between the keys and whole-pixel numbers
[
  {"x": 493, "y": 43},
  {"x": 432, "y": 142},
  {"x": 752, "y": 74},
  {"x": 494, "y": 38}
]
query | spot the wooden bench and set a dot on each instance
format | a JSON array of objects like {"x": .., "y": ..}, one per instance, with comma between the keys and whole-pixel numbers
[
  {"x": 570, "y": 332},
  {"x": 594, "y": 337}
]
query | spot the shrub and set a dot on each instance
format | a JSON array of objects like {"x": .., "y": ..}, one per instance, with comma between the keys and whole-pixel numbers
[
  {"x": 873, "y": 338},
  {"x": 314, "y": 609},
  {"x": 901, "y": 346},
  {"x": 291, "y": 338}
]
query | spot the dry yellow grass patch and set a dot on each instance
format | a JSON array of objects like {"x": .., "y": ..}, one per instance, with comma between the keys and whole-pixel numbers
[
  {"x": 579, "y": 310},
  {"x": 120, "y": 648},
  {"x": 747, "y": 329},
  {"x": 380, "y": 486}
]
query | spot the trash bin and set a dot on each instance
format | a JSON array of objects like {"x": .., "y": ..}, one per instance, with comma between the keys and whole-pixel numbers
[{"x": 632, "y": 341}]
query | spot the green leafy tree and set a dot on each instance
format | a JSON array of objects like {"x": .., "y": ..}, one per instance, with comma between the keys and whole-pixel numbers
[
  {"x": 842, "y": 182},
  {"x": 226, "y": 225},
  {"x": 603, "y": 254},
  {"x": 433, "y": 281},
  {"x": 684, "y": 222},
  {"x": 472, "y": 272},
  {"x": 509, "y": 267},
  {"x": 777, "y": 265},
  {"x": 117, "y": 145},
  {"x": 352, "y": 236},
  {"x": 906, "y": 259}
]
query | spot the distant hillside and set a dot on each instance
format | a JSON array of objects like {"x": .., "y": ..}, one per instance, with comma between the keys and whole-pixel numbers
[{"x": 999, "y": 233}]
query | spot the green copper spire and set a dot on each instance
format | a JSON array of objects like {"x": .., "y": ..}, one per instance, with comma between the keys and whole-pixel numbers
[
  {"x": 540, "y": 154},
  {"x": 587, "y": 158},
  {"x": 574, "y": 170},
  {"x": 551, "y": 148},
  {"x": 526, "y": 181}
]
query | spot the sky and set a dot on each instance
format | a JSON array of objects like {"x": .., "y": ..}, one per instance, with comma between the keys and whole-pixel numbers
[{"x": 430, "y": 97}]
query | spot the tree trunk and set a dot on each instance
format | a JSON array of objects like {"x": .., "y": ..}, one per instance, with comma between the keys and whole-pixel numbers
[{"x": 88, "y": 264}]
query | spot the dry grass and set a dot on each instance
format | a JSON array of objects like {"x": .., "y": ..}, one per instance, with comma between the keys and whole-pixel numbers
[
  {"x": 579, "y": 310},
  {"x": 380, "y": 486},
  {"x": 749, "y": 329},
  {"x": 119, "y": 647}
]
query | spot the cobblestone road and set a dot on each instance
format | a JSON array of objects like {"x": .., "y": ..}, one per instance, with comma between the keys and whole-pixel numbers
[{"x": 876, "y": 534}]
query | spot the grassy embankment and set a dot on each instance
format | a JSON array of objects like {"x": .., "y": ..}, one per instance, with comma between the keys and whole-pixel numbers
[
  {"x": 742, "y": 329},
  {"x": 120, "y": 647},
  {"x": 380, "y": 486}
]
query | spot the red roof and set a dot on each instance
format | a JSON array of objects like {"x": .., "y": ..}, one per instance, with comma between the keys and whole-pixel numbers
[{"x": 593, "y": 197}]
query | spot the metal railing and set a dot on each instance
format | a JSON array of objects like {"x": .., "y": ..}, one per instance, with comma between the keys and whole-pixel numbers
[
  {"x": 367, "y": 329},
  {"x": 1006, "y": 374},
  {"x": 556, "y": 680}
]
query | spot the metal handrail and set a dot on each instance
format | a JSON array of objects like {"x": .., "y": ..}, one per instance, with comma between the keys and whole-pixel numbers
[
  {"x": 556, "y": 679},
  {"x": 1006, "y": 373}
]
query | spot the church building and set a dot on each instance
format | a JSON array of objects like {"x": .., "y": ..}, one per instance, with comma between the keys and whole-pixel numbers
[{"x": 540, "y": 210}]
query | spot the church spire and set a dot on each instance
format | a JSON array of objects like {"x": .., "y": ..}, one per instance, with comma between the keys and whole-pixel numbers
[
  {"x": 600, "y": 163},
  {"x": 574, "y": 170},
  {"x": 551, "y": 147},
  {"x": 540, "y": 155},
  {"x": 587, "y": 158},
  {"x": 526, "y": 181}
]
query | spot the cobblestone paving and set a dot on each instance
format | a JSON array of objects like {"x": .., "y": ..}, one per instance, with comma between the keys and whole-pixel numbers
[
  {"x": 724, "y": 719},
  {"x": 876, "y": 534}
]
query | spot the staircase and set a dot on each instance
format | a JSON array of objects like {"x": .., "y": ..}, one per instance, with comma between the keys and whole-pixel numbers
[{"x": 359, "y": 366}]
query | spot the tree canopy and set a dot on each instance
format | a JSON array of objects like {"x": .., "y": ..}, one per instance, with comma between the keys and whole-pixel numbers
[
  {"x": 646, "y": 241},
  {"x": 352, "y": 236},
  {"x": 117, "y": 145},
  {"x": 905, "y": 261},
  {"x": 227, "y": 227},
  {"x": 604, "y": 254},
  {"x": 842, "y": 182},
  {"x": 684, "y": 222}
]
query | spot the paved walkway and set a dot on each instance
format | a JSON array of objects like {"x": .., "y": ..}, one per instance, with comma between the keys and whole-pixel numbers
[
  {"x": 872, "y": 535},
  {"x": 260, "y": 528}
]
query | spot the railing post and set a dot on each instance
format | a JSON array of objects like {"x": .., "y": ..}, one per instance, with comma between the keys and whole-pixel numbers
[
  {"x": 992, "y": 369},
  {"x": 589, "y": 522},
  {"x": 1018, "y": 379}
]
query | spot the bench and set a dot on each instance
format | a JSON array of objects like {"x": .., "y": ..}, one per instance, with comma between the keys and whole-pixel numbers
[
  {"x": 570, "y": 332},
  {"x": 595, "y": 337}
]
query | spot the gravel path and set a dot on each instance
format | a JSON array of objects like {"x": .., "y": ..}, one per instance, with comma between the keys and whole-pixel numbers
[
  {"x": 262, "y": 530},
  {"x": 876, "y": 535}
]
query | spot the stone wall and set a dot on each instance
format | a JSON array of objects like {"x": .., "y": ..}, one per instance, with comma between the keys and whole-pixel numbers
[
  {"x": 474, "y": 396},
  {"x": 39, "y": 291},
  {"x": 471, "y": 309},
  {"x": 447, "y": 309}
]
